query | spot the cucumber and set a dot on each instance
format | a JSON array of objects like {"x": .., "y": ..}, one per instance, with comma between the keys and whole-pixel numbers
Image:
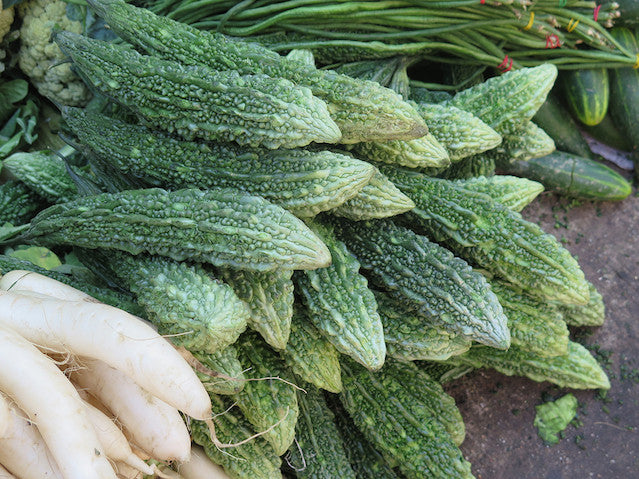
[
  {"x": 587, "y": 93},
  {"x": 624, "y": 92},
  {"x": 555, "y": 120},
  {"x": 609, "y": 133},
  {"x": 573, "y": 176}
]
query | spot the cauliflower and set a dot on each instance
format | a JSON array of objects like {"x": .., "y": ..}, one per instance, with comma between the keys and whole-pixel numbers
[
  {"x": 38, "y": 53},
  {"x": 6, "y": 19}
]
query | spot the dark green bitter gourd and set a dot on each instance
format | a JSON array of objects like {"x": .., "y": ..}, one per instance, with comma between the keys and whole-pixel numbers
[
  {"x": 476, "y": 227},
  {"x": 198, "y": 102},
  {"x": 428, "y": 279},
  {"x": 222, "y": 227},
  {"x": 410, "y": 336},
  {"x": 253, "y": 459},
  {"x": 511, "y": 191},
  {"x": 340, "y": 304},
  {"x": 533, "y": 326},
  {"x": 266, "y": 400},
  {"x": 380, "y": 198},
  {"x": 196, "y": 310},
  {"x": 222, "y": 372},
  {"x": 310, "y": 355},
  {"x": 304, "y": 182},
  {"x": 269, "y": 297},
  {"x": 576, "y": 369},
  {"x": 366, "y": 461},
  {"x": 318, "y": 452},
  {"x": 18, "y": 204},
  {"x": 363, "y": 110},
  {"x": 401, "y": 422}
]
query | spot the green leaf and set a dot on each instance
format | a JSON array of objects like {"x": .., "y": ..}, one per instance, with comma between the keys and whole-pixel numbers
[
  {"x": 39, "y": 256},
  {"x": 554, "y": 417}
]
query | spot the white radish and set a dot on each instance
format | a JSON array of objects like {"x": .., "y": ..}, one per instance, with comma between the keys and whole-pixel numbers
[
  {"x": 116, "y": 337},
  {"x": 4, "y": 415},
  {"x": 49, "y": 400},
  {"x": 21, "y": 280},
  {"x": 124, "y": 471},
  {"x": 4, "y": 474},
  {"x": 22, "y": 449},
  {"x": 115, "y": 444},
  {"x": 153, "y": 425},
  {"x": 200, "y": 466}
]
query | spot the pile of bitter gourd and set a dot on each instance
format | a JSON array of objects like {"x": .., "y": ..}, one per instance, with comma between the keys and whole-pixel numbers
[{"x": 300, "y": 230}]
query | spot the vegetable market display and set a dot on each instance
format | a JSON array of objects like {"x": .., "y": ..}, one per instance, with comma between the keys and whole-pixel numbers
[{"x": 322, "y": 249}]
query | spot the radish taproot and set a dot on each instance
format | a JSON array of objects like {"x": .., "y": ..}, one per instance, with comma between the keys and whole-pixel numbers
[
  {"x": 22, "y": 280},
  {"x": 4, "y": 474},
  {"x": 116, "y": 337},
  {"x": 22, "y": 449},
  {"x": 60, "y": 416},
  {"x": 199, "y": 466},
  {"x": 154, "y": 426}
]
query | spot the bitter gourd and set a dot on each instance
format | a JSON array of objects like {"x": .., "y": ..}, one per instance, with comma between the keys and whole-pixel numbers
[
  {"x": 424, "y": 152},
  {"x": 44, "y": 173},
  {"x": 226, "y": 363},
  {"x": 304, "y": 182},
  {"x": 380, "y": 198},
  {"x": 506, "y": 102},
  {"x": 363, "y": 110},
  {"x": 591, "y": 314},
  {"x": 340, "y": 304},
  {"x": 525, "y": 143},
  {"x": 366, "y": 461},
  {"x": 428, "y": 279},
  {"x": 254, "y": 459},
  {"x": 101, "y": 292},
  {"x": 511, "y": 191},
  {"x": 197, "y": 311},
  {"x": 265, "y": 400},
  {"x": 476, "y": 227},
  {"x": 198, "y": 102},
  {"x": 223, "y": 227},
  {"x": 318, "y": 452},
  {"x": 310, "y": 355},
  {"x": 444, "y": 372},
  {"x": 576, "y": 369},
  {"x": 401, "y": 422},
  {"x": 461, "y": 133},
  {"x": 482, "y": 164},
  {"x": 533, "y": 326},
  {"x": 411, "y": 337},
  {"x": 269, "y": 297},
  {"x": 18, "y": 204}
]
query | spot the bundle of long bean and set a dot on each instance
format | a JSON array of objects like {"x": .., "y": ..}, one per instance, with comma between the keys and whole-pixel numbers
[{"x": 504, "y": 34}]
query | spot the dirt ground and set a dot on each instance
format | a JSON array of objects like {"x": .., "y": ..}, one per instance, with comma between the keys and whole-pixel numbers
[{"x": 501, "y": 441}]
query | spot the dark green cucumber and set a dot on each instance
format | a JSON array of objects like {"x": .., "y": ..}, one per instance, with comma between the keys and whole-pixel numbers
[
  {"x": 609, "y": 133},
  {"x": 586, "y": 93},
  {"x": 573, "y": 176},
  {"x": 624, "y": 93},
  {"x": 555, "y": 120}
]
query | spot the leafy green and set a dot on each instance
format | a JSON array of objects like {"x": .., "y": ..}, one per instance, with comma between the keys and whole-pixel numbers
[
  {"x": 11, "y": 92},
  {"x": 37, "y": 255},
  {"x": 19, "y": 129},
  {"x": 553, "y": 417}
]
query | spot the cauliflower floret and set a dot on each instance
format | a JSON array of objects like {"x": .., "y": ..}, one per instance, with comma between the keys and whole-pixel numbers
[
  {"x": 38, "y": 52},
  {"x": 6, "y": 19}
]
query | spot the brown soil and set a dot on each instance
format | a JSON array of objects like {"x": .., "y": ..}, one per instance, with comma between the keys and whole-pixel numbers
[{"x": 501, "y": 441}]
